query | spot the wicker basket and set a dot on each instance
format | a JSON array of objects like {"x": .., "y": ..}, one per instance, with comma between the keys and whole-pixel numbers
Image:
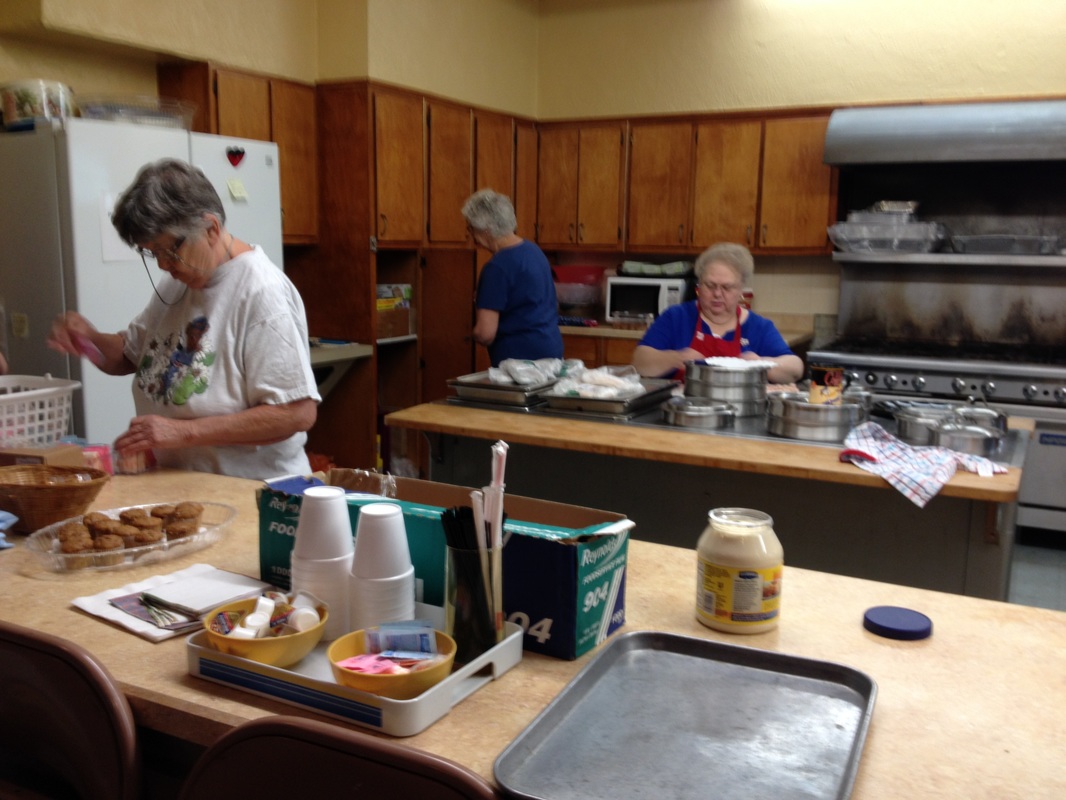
[{"x": 40, "y": 494}]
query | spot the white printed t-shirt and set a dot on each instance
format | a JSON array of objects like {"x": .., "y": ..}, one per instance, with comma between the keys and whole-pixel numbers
[{"x": 239, "y": 342}]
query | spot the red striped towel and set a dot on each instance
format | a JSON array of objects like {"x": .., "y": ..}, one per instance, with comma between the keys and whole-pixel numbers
[{"x": 918, "y": 472}]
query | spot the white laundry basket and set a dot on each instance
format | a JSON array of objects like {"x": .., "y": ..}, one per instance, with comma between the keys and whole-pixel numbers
[{"x": 34, "y": 410}]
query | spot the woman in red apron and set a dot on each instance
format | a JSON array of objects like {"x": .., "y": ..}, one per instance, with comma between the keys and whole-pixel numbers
[{"x": 722, "y": 272}]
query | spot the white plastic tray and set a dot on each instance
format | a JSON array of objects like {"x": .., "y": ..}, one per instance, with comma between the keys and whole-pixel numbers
[{"x": 309, "y": 684}]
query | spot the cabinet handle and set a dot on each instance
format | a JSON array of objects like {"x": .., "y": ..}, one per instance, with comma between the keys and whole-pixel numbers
[
  {"x": 747, "y": 235},
  {"x": 570, "y": 229},
  {"x": 681, "y": 233},
  {"x": 764, "y": 235},
  {"x": 384, "y": 225}
]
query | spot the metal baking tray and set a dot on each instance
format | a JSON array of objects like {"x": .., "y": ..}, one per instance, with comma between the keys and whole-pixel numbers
[
  {"x": 694, "y": 718},
  {"x": 477, "y": 386},
  {"x": 655, "y": 391},
  {"x": 1006, "y": 244}
]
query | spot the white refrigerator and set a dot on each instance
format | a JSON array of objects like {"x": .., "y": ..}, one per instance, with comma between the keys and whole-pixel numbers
[{"x": 58, "y": 250}]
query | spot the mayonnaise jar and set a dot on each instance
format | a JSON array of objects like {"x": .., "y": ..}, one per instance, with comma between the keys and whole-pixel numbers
[{"x": 738, "y": 578}]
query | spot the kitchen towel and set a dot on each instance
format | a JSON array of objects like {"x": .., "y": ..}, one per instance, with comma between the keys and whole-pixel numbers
[
  {"x": 100, "y": 605},
  {"x": 919, "y": 473}
]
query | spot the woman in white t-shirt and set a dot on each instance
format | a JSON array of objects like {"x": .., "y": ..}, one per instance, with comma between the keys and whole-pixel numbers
[{"x": 220, "y": 353}]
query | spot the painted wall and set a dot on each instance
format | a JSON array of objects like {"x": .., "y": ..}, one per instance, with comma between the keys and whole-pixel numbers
[{"x": 618, "y": 57}]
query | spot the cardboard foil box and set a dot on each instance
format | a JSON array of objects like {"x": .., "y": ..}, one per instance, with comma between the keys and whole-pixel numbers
[
  {"x": 58, "y": 455},
  {"x": 564, "y": 566}
]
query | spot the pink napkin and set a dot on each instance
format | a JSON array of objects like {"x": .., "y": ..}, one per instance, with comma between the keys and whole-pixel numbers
[{"x": 918, "y": 472}]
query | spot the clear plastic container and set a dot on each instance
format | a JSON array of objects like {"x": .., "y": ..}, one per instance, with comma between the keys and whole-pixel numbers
[{"x": 738, "y": 577}]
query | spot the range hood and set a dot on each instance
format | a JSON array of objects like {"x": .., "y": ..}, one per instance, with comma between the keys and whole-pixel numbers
[{"x": 1017, "y": 131}]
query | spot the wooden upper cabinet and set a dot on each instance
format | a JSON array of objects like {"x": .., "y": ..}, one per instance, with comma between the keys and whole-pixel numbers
[
  {"x": 726, "y": 182},
  {"x": 450, "y": 155},
  {"x": 557, "y": 186},
  {"x": 525, "y": 179},
  {"x": 494, "y": 146},
  {"x": 248, "y": 106},
  {"x": 243, "y": 105},
  {"x": 399, "y": 177},
  {"x": 797, "y": 187},
  {"x": 660, "y": 182},
  {"x": 601, "y": 167},
  {"x": 580, "y": 181},
  {"x": 294, "y": 127}
]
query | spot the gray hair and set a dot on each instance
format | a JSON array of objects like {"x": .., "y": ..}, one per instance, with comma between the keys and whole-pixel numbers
[
  {"x": 490, "y": 211},
  {"x": 167, "y": 197},
  {"x": 735, "y": 256}
]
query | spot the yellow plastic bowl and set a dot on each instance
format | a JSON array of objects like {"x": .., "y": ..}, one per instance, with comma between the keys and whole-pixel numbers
[
  {"x": 277, "y": 651},
  {"x": 397, "y": 687}
]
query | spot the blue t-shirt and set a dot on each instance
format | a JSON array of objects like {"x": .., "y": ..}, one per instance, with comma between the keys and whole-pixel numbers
[
  {"x": 517, "y": 282},
  {"x": 674, "y": 328}
]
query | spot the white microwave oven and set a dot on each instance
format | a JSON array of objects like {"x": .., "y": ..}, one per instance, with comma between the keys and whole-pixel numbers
[{"x": 628, "y": 295}]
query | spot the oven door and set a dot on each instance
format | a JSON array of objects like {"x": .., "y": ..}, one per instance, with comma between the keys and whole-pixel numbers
[{"x": 1040, "y": 496}]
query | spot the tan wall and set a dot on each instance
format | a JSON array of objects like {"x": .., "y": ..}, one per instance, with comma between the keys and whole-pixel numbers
[
  {"x": 483, "y": 52},
  {"x": 342, "y": 39},
  {"x": 618, "y": 57}
]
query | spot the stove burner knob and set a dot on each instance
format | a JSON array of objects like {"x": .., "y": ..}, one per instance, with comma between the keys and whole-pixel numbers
[
  {"x": 891, "y": 380},
  {"x": 988, "y": 388},
  {"x": 1060, "y": 394},
  {"x": 958, "y": 385},
  {"x": 918, "y": 383},
  {"x": 871, "y": 378},
  {"x": 1029, "y": 392}
]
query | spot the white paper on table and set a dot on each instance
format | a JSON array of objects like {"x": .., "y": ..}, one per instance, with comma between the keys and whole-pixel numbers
[{"x": 99, "y": 605}]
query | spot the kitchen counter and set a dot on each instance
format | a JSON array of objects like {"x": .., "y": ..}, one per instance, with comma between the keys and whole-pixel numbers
[
  {"x": 973, "y": 711},
  {"x": 782, "y": 458},
  {"x": 831, "y": 516}
]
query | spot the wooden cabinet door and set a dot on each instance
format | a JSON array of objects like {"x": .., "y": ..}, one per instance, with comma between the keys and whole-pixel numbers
[
  {"x": 450, "y": 173},
  {"x": 243, "y": 105},
  {"x": 601, "y": 166},
  {"x": 660, "y": 181},
  {"x": 585, "y": 348},
  {"x": 796, "y": 185},
  {"x": 446, "y": 319},
  {"x": 399, "y": 176},
  {"x": 726, "y": 182},
  {"x": 525, "y": 179},
  {"x": 619, "y": 352},
  {"x": 557, "y": 164},
  {"x": 494, "y": 153},
  {"x": 293, "y": 123}
]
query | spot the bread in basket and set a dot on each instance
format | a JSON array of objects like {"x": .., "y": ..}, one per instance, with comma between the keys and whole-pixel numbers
[{"x": 41, "y": 494}]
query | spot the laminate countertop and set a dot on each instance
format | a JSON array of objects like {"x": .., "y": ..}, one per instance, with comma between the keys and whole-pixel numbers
[
  {"x": 975, "y": 711},
  {"x": 770, "y": 457}
]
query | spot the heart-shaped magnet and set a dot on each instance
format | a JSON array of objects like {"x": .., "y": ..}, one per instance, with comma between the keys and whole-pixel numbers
[{"x": 235, "y": 155}]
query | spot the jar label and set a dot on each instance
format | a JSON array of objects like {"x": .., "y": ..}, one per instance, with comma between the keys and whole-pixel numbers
[{"x": 740, "y": 597}]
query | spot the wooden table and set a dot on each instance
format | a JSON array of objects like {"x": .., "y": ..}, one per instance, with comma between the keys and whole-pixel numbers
[
  {"x": 831, "y": 516},
  {"x": 973, "y": 712}
]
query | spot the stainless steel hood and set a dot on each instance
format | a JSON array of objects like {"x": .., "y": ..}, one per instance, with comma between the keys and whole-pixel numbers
[{"x": 1016, "y": 131}]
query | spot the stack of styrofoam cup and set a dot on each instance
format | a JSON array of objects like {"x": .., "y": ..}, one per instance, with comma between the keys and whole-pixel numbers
[
  {"x": 322, "y": 554},
  {"x": 381, "y": 586}
]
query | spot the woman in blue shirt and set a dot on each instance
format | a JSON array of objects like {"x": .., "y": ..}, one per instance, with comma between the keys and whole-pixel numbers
[
  {"x": 715, "y": 324},
  {"x": 517, "y": 312}
]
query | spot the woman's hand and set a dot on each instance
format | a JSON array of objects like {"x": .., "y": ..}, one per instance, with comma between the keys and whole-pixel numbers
[
  {"x": 74, "y": 335},
  {"x": 149, "y": 432}
]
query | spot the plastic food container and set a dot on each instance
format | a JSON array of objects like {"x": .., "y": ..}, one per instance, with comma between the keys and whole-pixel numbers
[
  {"x": 161, "y": 112},
  {"x": 25, "y": 101}
]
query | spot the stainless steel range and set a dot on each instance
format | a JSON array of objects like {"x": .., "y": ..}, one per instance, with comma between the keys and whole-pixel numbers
[{"x": 983, "y": 316}]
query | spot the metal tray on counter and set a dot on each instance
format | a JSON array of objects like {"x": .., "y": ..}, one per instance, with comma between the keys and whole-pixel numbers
[
  {"x": 656, "y": 390},
  {"x": 477, "y": 386},
  {"x": 675, "y": 716}
]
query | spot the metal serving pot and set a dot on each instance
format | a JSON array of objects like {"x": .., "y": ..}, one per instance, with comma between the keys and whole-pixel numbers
[
  {"x": 915, "y": 425},
  {"x": 982, "y": 416},
  {"x": 795, "y": 417},
  {"x": 744, "y": 389},
  {"x": 973, "y": 439},
  {"x": 698, "y": 412}
]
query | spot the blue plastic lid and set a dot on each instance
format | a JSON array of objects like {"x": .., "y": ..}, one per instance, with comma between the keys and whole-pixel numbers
[{"x": 894, "y": 622}]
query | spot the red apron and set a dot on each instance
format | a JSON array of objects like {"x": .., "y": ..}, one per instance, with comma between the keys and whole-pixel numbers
[{"x": 709, "y": 345}]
